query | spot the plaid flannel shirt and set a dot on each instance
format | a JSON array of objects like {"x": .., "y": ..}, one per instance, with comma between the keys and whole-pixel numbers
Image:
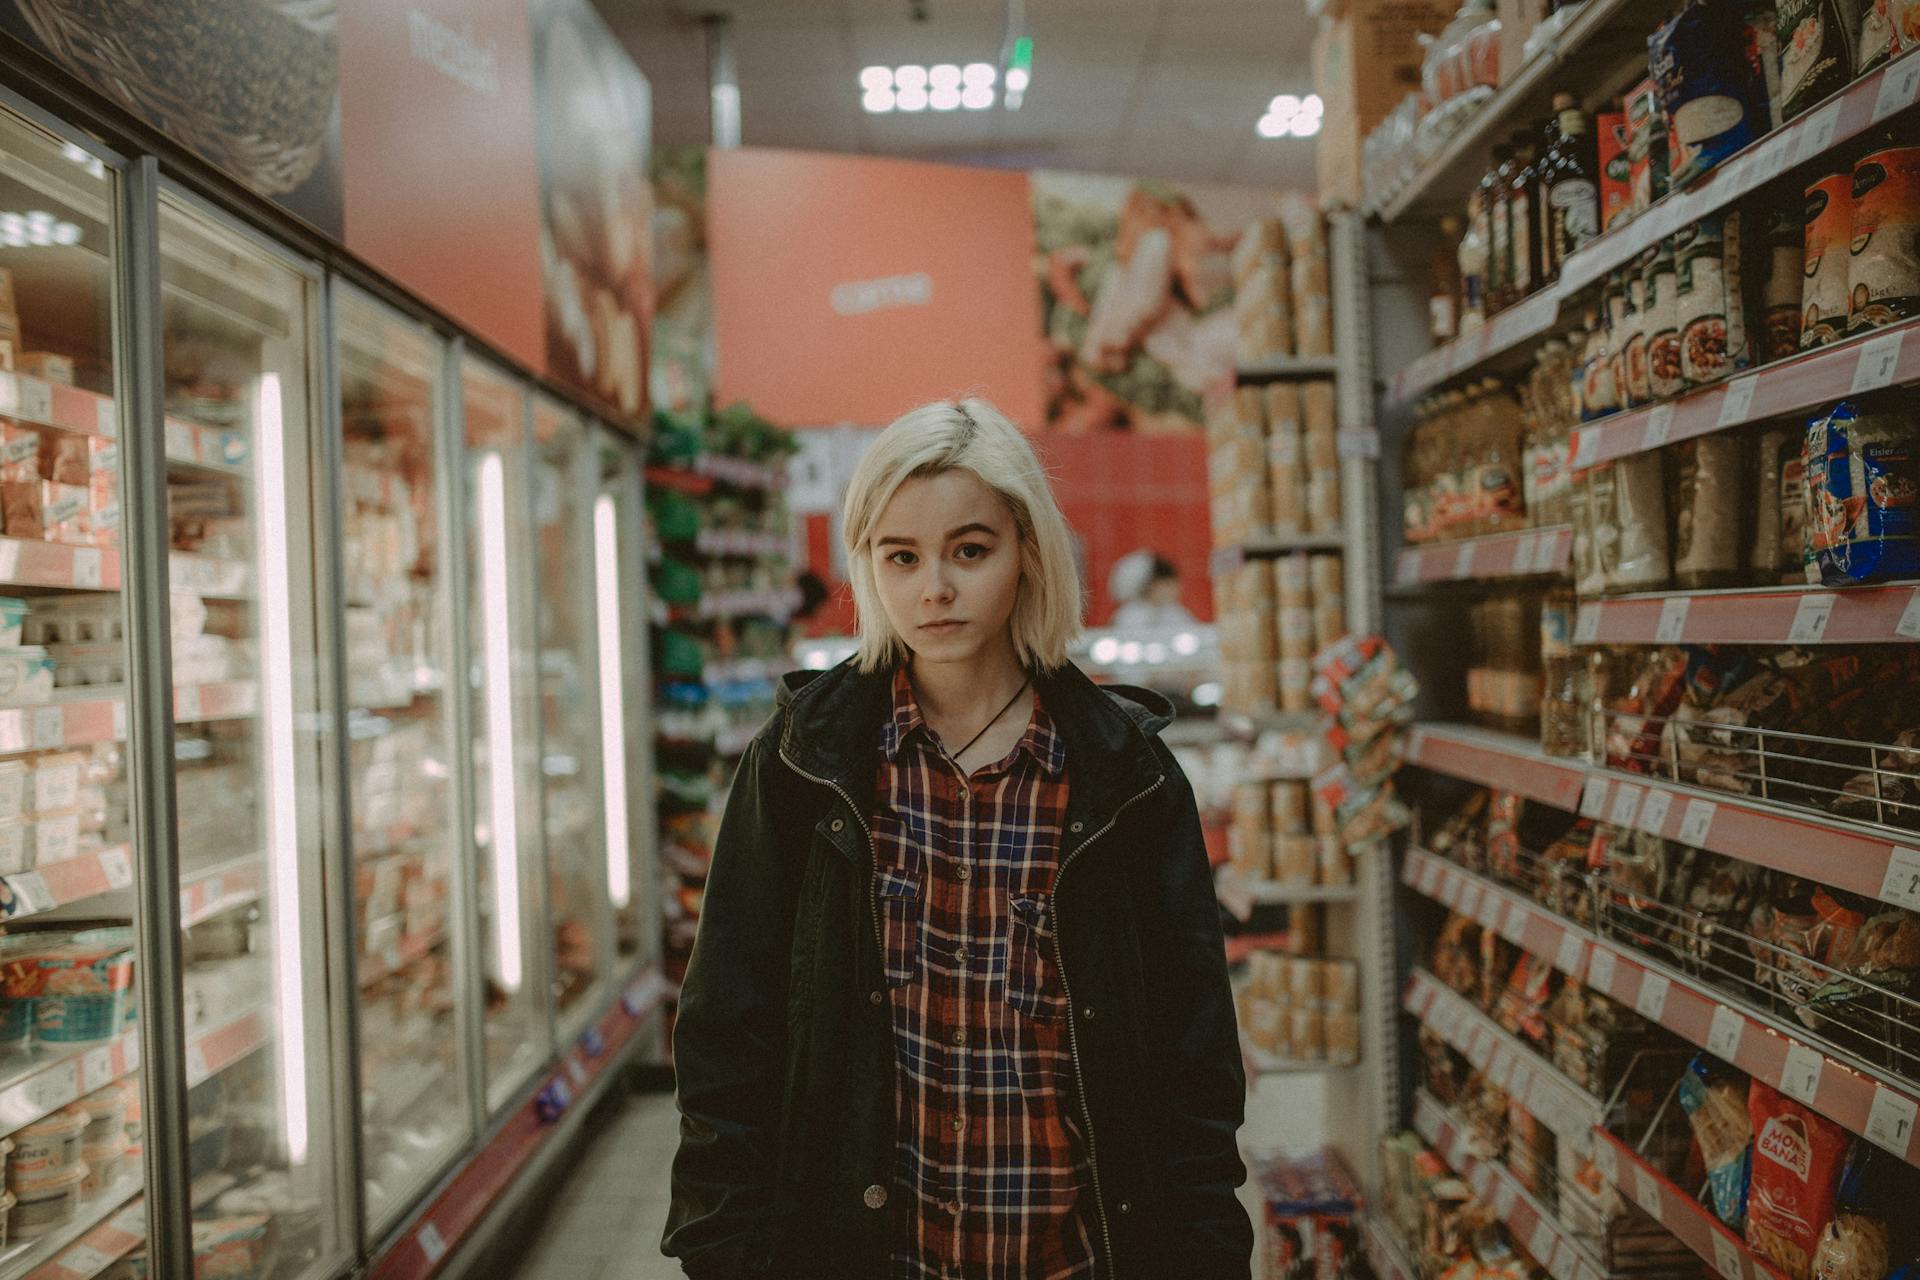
[{"x": 990, "y": 1161}]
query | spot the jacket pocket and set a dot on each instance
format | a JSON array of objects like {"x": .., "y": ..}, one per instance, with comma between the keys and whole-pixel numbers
[
  {"x": 1033, "y": 980},
  {"x": 900, "y": 925}
]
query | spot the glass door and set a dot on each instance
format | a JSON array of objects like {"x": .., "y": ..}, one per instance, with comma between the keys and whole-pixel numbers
[
  {"x": 238, "y": 331},
  {"x": 571, "y": 707},
  {"x": 626, "y": 729},
  {"x": 504, "y": 751},
  {"x": 69, "y": 1039},
  {"x": 409, "y": 893}
]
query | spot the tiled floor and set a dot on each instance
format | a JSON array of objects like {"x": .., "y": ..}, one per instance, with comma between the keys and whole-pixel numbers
[{"x": 606, "y": 1222}]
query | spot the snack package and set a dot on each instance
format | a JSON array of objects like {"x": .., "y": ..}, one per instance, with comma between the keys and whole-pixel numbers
[
  {"x": 1826, "y": 266},
  {"x": 1715, "y": 1101},
  {"x": 1857, "y": 1244},
  {"x": 1646, "y": 145},
  {"x": 1863, "y": 479},
  {"x": 1706, "y": 89},
  {"x": 1797, "y": 1157},
  {"x": 1711, "y": 479},
  {"x": 1883, "y": 267},
  {"x": 1817, "y": 50},
  {"x": 1776, "y": 269},
  {"x": 1616, "y": 168}
]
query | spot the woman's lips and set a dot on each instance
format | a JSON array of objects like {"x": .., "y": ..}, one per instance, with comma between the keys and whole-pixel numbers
[{"x": 949, "y": 625}]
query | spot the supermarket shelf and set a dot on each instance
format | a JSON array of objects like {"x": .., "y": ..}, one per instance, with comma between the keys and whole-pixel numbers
[
  {"x": 53, "y": 404},
  {"x": 740, "y": 542},
  {"x": 215, "y": 700},
  {"x": 1446, "y": 179},
  {"x": 1686, "y": 1219},
  {"x": 33, "y": 562},
  {"x": 1383, "y": 1249},
  {"x": 1529, "y": 1079},
  {"x": 1841, "y": 117},
  {"x": 219, "y": 889},
  {"x": 1847, "y": 114},
  {"x": 1274, "y": 892},
  {"x": 208, "y": 448},
  {"x": 776, "y": 604},
  {"x": 1267, "y": 545},
  {"x": 1243, "y": 945},
  {"x": 477, "y": 1186},
  {"x": 107, "y": 1228},
  {"x": 1556, "y": 1249},
  {"x": 1755, "y": 615},
  {"x": 1281, "y": 368},
  {"x": 1843, "y": 1090},
  {"x": 1261, "y": 1063},
  {"x": 1504, "y": 761},
  {"x": 742, "y": 670},
  {"x": 741, "y": 473},
  {"x": 1500, "y": 555},
  {"x": 404, "y": 951},
  {"x": 59, "y": 884},
  {"x": 60, "y": 1077},
  {"x": 1810, "y": 380},
  {"x": 691, "y": 483},
  {"x": 213, "y": 1050}
]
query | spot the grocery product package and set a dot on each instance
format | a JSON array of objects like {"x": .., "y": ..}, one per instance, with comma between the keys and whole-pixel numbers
[
  {"x": 1863, "y": 480},
  {"x": 1640, "y": 497},
  {"x": 1797, "y": 1155},
  {"x": 1714, "y": 1098},
  {"x": 1711, "y": 495},
  {"x": 1776, "y": 267},
  {"x": 1699, "y": 62},
  {"x": 1883, "y": 269},
  {"x": 1887, "y": 29},
  {"x": 1710, "y": 305},
  {"x": 1659, "y": 278},
  {"x": 1818, "y": 40},
  {"x": 1828, "y": 230},
  {"x": 1311, "y": 1203},
  {"x": 1646, "y": 145}
]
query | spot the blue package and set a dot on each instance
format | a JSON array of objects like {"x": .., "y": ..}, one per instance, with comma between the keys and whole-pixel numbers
[
  {"x": 1706, "y": 89},
  {"x": 1726, "y": 1181},
  {"x": 1863, "y": 477}
]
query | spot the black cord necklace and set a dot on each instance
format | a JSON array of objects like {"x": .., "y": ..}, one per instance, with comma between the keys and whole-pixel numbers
[{"x": 996, "y": 718}]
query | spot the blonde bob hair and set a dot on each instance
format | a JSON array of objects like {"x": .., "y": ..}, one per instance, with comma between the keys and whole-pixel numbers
[{"x": 969, "y": 435}]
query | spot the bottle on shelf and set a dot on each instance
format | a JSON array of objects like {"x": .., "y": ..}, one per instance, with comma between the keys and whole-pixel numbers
[
  {"x": 1570, "y": 174},
  {"x": 1443, "y": 303},
  {"x": 1493, "y": 196},
  {"x": 1472, "y": 258},
  {"x": 1523, "y": 206}
]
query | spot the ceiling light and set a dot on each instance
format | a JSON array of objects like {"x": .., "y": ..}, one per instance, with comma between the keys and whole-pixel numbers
[
  {"x": 1272, "y": 126},
  {"x": 944, "y": 76},
  {"x": 979, "y": 73},
  {"x": 1290, "y": 115},
  {"x": 977, "y": 97},
  {"x": 910, "y": 77},
  {"x": 1284, "y": 105},
  {"x": 873, "y": 79},
  {"x": 914, "y": 99},
  {"x": 877, "y": 101},
  {"x": 39, "y": 228},
  {"x": 945, "y": 98},
  {"x": 1304, "y": 125},
  {"x": 1017, "y": 80}
]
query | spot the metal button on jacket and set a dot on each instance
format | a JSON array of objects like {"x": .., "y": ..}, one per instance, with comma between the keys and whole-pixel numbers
[
  {"x": 839, "y": 824},
  {"x": 876, "y": 1197},
  {"x": 874, "y": 997}
]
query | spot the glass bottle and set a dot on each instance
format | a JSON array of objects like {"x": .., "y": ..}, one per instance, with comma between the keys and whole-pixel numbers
[
  {"x": 1571, "y": 175},
  {"x": 1523, "y": 204},
  {"x": 1493, "y": 193},
  {"x": 1473, "y": 266},
  {"x": 1443, "y": 303}
]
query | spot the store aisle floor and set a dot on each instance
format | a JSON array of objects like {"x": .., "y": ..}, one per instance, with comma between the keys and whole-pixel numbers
[{"x": 606, "y": 1221}]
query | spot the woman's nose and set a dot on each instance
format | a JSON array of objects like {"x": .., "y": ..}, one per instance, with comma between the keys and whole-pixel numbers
[{"x": 939, "y": 586}]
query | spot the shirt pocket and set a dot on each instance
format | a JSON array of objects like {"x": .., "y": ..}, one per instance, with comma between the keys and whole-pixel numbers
[
  {"x": 1033, "y": 979},
  {"x": 900, "y": 925}
]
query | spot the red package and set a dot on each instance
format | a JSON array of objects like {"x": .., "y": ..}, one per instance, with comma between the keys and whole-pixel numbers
[
  {"x": 1797, "y": 1157},
  {"x": 1616, "y": 168}
]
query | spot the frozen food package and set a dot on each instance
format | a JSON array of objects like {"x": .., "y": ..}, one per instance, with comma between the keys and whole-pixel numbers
[
  {"x": 1818, "y": 42},
  {"x": 1280, "y": 404},
  {"x": 1797, "y": 1156},
  {"x": 1286, "y": 480},
  {"x": 1715, "y": 1100},
  {"x": 1710, "y": 496},
  {"x": 1698, "y": 60},
  {"x": 1322, "y": 452},
  {"x": 1825, "y": 259},
  {"x": 1863, "y": 478},
  {"x": 1883, "y": 269},
  {"x": 19, "y": 452},
  {"x": 1640, "y": 503}
]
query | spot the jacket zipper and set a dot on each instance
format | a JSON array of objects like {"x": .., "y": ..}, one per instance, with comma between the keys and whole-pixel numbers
[
  {"x": 873, "y": 884},
  {"x": 1073, "y": 1023}
]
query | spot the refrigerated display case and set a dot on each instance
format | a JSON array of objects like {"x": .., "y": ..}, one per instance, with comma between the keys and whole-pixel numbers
[
  {"x": 409, "y": 899},
  {"x": 504, "y": 739},
  {"x": 571, "y": 781},
  {"x": 241, "y": 353},
  {"x": 626, "y": 755}
]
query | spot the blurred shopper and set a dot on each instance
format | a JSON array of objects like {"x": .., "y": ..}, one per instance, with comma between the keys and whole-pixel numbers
[
  {"x": 959, "y": 1010},
  {"x": 1146, "y": 587}
]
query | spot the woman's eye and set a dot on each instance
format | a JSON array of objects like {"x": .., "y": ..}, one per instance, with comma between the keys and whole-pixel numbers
[
  {"x": 970, "y": 551},
  {"x": 902, "y": 558}
]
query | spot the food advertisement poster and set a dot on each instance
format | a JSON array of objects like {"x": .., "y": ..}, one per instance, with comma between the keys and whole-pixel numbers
[
  {"x": 682, "y": 336},
  {"x": 251, "y": 86},
  {"x": 442, "y": 189},
  {"x": 593, "y": 114},
  {"x": 1137, "y": 297}
]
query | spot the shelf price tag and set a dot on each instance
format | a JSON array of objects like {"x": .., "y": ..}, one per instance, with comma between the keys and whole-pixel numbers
[
  {"x": 1899, "y": 85},
  {"x": 1901, "y": 885},
  {"x": 84, "y": 1260},
  {"x": 1810, "y": 618},
  {"x": 1723, "y": 1040},
  {"x": 1646, "y": 1188},
  {"x": 1659, "y": 426},
  {"x": 1626, "y": 805},
  {"x": 1800, "y": 1077},
  {"x": 1890, "y": 1123},
  {"x": 1490, "y": 909},
  {"x": 1600, "y": 970},
  {"x": 1653, "y": 810},
  {"x": 117, "y": 866},
  {"x": 1525, "y": 553},
  {"x": 1543, "y": 1241},
  {"x": 1673, "y": 621},
  {"x": 36, "y": 400},
  {"x": 1816, "y": 134},
  {"x": 1879, "y": 360},
  {"x": 1737, "y": 403},
  {"x": 1727, "y": 1259},
  {"x": 1699, "y": 820},
  {"x": 1606, "y": 1161},
  {"x": 96, "y": 1070},
  {"x": 1652, "y": 1003},
  {"x": 1573, "y": 953},
  {"x": 1909, "y": 625},
  {"x": 1514, "y": 927},
  {"x": 1586, "y": 624},
  {"x": 198, "y": 1069},
  {"x": 431, "y": 1242},
  {"x": 1593, "y": 797},
  {"x": 1463, "y": 561},
  {"x": 1500, "y": 1074},
  {"x": 1504, "y": 1194},
  {"x": 49, "y": 727},
  {"x": 1586, "y": 444},
  {"x": 1469, "y": 902},
  {"x": 1406, "y": 568},
  {"x": 87, "y": 566}
]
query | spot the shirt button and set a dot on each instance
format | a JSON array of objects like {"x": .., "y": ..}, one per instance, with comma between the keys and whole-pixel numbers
[
  {"x": 963, "y": 873},
  {"x": 958, "y": 1124},
  {"x": 960, "y": 954},
  {"x": 953, "y": 1207},
  {"x": 876, "y": 1197},
  {"x": 960, "y": 1037},
  {"x": 874, "y": 997}
]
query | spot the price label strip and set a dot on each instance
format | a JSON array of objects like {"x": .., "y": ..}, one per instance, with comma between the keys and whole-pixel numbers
[
  {"x": 1737, "y": 403},
  {"x": 1572, "y": 956},
  {"x": 1723, "y": 1040},
  {"x": 1810, "y": 618},
  {"x": 1899, "y": 86},
  {"x": 1653, "y": 810},
  {"x": 1593, "y": 798},
  {"x": 1890, "y": 1122},
  {"x": 1727, "y": 1258},
  {"x": 1659, "y": 427},
  {"x": 1698, "y": 821},
  {"x": 1879, "y": 361},
  {"x": 1800, "y": 1076},
  {"x": 1652, "y": 1002},
  {"x": 1626, "y": 805},
  {"x": 1673, "y": 621},
  {"x": 1600, "y": 970}
]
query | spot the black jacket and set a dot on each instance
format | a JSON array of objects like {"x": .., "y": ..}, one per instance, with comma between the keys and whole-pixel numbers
[{"x": 784, "y": 1043}]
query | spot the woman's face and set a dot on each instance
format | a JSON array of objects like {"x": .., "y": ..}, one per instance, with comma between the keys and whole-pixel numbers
[{"x": 946, "y": 558}]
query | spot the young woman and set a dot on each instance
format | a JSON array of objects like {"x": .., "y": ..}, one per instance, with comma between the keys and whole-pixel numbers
[{"x": 958, "y": 1008}]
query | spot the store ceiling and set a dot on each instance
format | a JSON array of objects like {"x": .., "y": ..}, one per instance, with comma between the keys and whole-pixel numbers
[{"x": 1163, "y": 88}]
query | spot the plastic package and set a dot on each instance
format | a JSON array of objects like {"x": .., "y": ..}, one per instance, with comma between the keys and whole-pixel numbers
[
  {"x": 1706, "y": 89},
  {"x": 1709, "y": 497},
  {"x": 1825, "y": 262},
  {"x": 46, "y": 1147},
  {"x": 1464, "y": 59},
  {"x": 1711, "y": 317},
  {"x": 1818, "y": 40},
  {"x": 1883, "y": 268},
  {"x": 45, "y": 1204},
  {"x": 1778, "y": 265},
  {"x": 1642, "y": 562},
  {"x": 1863, "y": 471}
]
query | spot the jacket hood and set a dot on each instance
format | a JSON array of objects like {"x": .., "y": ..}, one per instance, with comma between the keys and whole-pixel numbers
[{"x": 828, "y": 722}]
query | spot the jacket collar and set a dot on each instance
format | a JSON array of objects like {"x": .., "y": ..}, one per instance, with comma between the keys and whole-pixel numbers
[
  {"x": 833, "y": 721},
  {"x": 1039, "y": 741}
]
